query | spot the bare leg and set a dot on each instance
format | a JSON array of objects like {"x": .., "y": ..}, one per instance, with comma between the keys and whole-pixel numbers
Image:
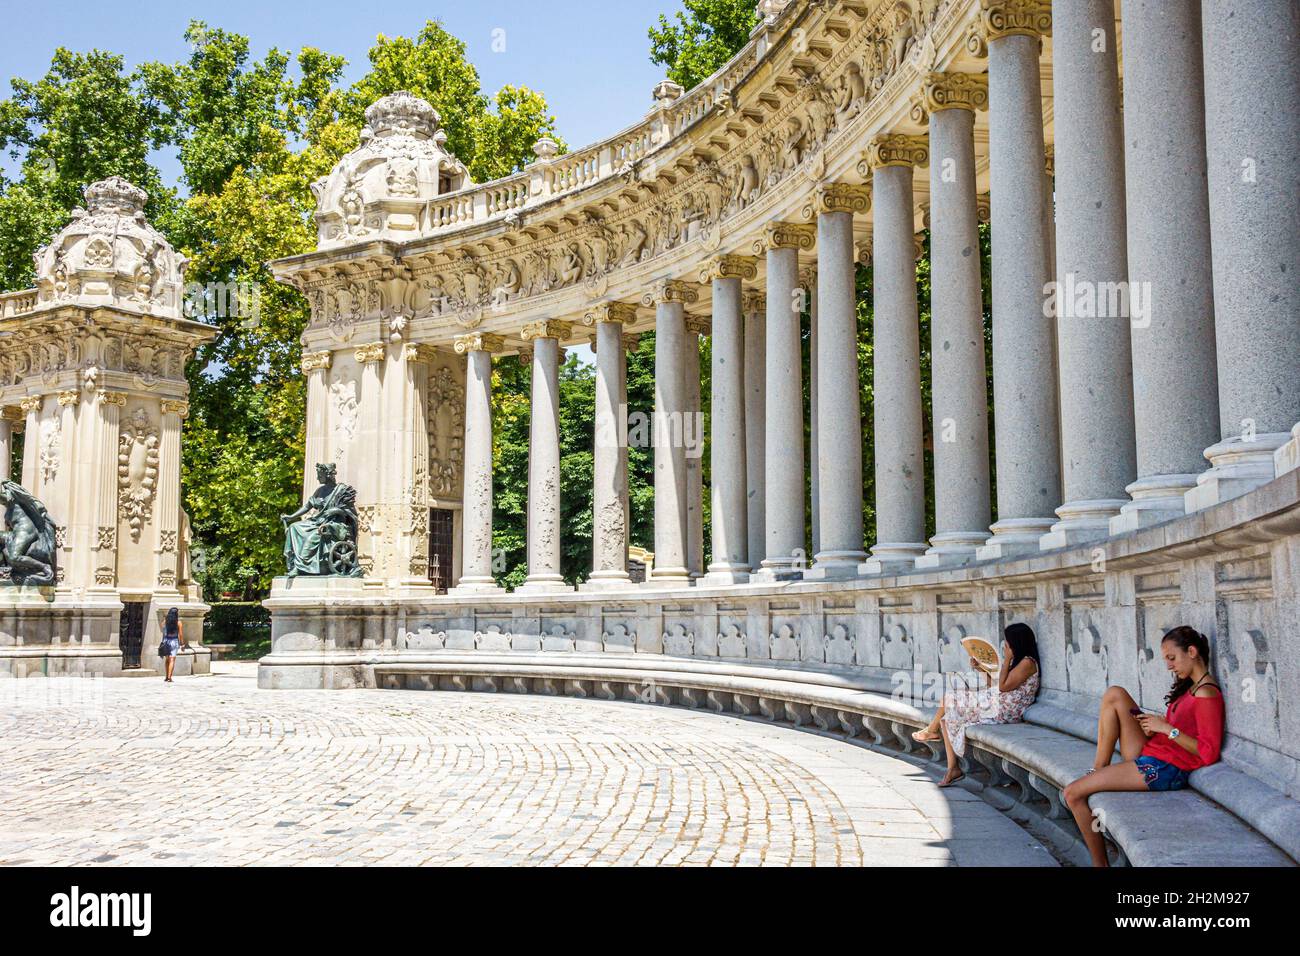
[
  {"x": 171, "y": 666},
  {"x": 1120, "y": 776},
  {"x": 954, "y": 772},
  {"x": 1116, "y": 724},
  {"x": 931, "y": 730}
]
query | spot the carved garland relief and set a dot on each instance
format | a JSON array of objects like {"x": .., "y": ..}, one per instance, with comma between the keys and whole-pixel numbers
[{"x": 137, "y": 470}]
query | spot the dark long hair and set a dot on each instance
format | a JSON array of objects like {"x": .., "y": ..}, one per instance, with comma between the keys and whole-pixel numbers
[
  {"x": 1023, "y": 644},
  {"x": 173, "y": 619},
  {"x": 1186, "y": 638}
]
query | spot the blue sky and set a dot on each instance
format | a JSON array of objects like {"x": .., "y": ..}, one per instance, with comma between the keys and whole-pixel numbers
[{"x": 591, "y": 58}]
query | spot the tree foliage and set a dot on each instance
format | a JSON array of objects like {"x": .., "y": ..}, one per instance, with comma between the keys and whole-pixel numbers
[{"x": 698, "y": 41}]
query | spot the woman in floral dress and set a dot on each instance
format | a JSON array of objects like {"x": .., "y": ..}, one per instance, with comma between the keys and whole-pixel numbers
[{"x": 1004, "y": 704}]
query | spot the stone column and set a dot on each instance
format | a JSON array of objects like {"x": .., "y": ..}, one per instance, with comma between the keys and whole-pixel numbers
[
  {"x": 1252, "y": 86},
  {"x": 755, "y": 308},
  {"x": 167, "y": 517},
  {"x": 365, "y": 470},
  {"x": 104, "y": 559},
  {"x": 961, "y": 428},
  {"x": 31, "y": 407},
  {"x": 6, "y": 444},
  {"x": 476, "y": 512},
  {"x": 609, "y": 461},
  {"x": 315, "y": 367},
  {"x": 544, "y": 459},
  {"x": 693, "y": 440},
  {"x": 808, "y": 281},
  {"x": 898, "y": 427},
  {"x": 1092, "y": 314},
  {"x": 730, "y": 564},
  {"x": 670, "y": 297},
  {"x": 1024, "y": 344},
  {"x": 784, "y": 557},
  {"x": 1175, "y": 402},
  {"x": 838, "y": 424}
]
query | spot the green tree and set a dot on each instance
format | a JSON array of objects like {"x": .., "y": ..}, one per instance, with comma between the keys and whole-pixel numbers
[{"x": 700, "y": 40}]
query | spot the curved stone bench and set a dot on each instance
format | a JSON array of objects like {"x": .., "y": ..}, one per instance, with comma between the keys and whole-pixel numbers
[{"x": 1018, "y": 768}]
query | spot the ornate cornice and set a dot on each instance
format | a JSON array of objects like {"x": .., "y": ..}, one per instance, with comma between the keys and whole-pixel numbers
[
  {"x": 374, "y": 352},
  {"x": 478, "y": 342},
  {"x": 546, "y": 329},
  {"x": 671, "y": 290},
  {"x": 729, "y": 267},
  {"x": 623, "y": 312},
  {"x": 895, "y": 149},
  {"x": 172, "y": 407},
  {"x": 838, "y": 197},
  {"x": 956, "y": 91},
  {"x": 316, "y": 361},
  {"x": 786, "y": 235},
  {"x": 1004, "y": 18}
]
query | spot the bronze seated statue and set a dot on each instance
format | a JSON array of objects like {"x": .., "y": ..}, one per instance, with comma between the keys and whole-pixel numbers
[
  {"x": 323, "y": 543},
  {"x": 27, "y": 545}
]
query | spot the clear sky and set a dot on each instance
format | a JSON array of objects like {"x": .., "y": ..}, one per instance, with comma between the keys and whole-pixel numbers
[{"x": 590, "y": 59}]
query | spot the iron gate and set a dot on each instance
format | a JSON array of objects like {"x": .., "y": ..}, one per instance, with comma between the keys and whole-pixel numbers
[
  {"x": 131, "y": 632},
  {"x": 441, "y": 523}
]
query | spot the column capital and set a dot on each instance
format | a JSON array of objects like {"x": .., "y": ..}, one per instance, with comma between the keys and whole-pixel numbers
[
  {"x": 838, "y": 197},
  {"x": 631, "y": 341},
  {"x": 421, "y": 353},
  {"x": 316, "y": 361},
  {"x": 478, "y": 342},
  {"x": 808, "y": 277},
  {"x": 671, "y": 290},
  {"x": 698, "y": 325},
  {"x": 374, "y": 352},
  {"x": 955, "y": 91},
  {"x": 621, "y": 312},
  {"x": 984, "y": 207},
  {"x": 1049, "y": 159},
  {"x": 546, "y": 329},
  {"x": 70, "y": 397},
  {"x": 786, "y": 235},
  {"x": 32, "y": 403},
  {"x": 1004, "y": 18},
  {"x": 525, "y": 356},
  {"x": 753, "y": 300},
  {"x": 895, "y": 149},
  {"x": 113, "y": 398},
  {"x": 173, "y": 407},
  {"x": 862, "y": 250},
  {"x": 918, "y": 245},
  {"x": 729, "y": 267}
]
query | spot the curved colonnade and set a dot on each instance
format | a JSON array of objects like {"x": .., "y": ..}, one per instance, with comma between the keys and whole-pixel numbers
[{"x": 1144, "y": 418}]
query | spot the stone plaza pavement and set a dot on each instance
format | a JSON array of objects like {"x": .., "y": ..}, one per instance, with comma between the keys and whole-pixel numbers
[{"x": 210, "y": 770}]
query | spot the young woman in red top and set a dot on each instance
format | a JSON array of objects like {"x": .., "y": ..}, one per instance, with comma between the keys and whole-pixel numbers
[{"x": 1157, "y": 753}]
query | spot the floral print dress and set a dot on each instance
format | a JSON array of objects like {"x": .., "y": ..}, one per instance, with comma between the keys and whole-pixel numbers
[{"x": 987, "y": 705}]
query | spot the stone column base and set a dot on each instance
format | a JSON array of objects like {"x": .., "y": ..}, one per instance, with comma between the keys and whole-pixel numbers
[
  {"x": 775, "y": 571},
  {"x": 1156, "y": 498},
  {"x": 312, "y": 586},
  {"x": 1081, "y": 522},
  {"x": 471, "y": 586},
  {"x": 835, "y": 566},
  {"x": 550, "y": 584},
  {"x": 892, "y": 558},
  {"x": 722, "y": 574},
  {"x": 1013, "y": 537},
  {"x": 952, "y": 549},
  {"x": 1236, "y": 466},
  {"x": 607, "y": 581}
]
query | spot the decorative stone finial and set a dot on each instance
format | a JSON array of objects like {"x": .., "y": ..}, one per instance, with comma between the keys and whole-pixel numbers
[
  {"x": 405, "y": 113},
  {"x": 666, "y": 91},
  {"x": 546, "y": 149},
  {"x": 115, "y": 197}
]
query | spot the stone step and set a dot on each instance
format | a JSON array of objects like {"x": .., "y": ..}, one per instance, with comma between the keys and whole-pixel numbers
[{"x": 140, "y": 672}]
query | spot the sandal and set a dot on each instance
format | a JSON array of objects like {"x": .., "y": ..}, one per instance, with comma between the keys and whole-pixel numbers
[
  {"x": 945, "y": 782},
  {"x": 922, "y": 735}
]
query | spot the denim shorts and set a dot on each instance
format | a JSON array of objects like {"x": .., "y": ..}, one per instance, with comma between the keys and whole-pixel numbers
[{"x": 1160, "y": 775}]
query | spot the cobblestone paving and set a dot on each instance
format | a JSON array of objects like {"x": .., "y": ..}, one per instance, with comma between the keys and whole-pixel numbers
[{"x": 210, "y": 770}]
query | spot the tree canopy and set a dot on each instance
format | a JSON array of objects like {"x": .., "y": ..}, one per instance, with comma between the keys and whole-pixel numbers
[{"x": 699, "y": 40}]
